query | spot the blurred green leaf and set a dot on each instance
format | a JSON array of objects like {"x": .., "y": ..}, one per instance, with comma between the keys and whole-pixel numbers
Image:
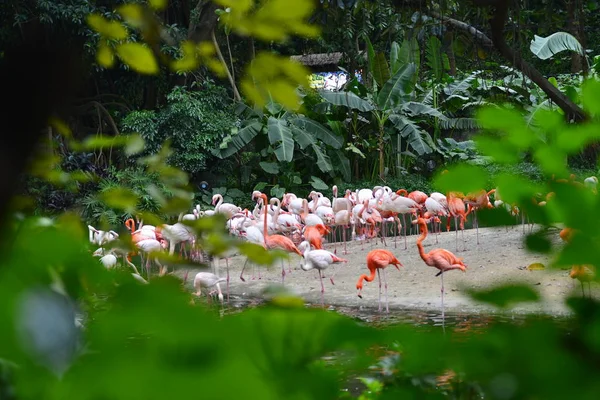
[
  {"x": 109, "y": 29},
  {"x": 139, "y": 57},
  {"x": 538, "y": 242},
  {"x": 462, "y": 178},
  {"x": 506, "y": 295}
]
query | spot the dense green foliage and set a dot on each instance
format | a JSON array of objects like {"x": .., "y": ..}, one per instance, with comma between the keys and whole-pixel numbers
[{"x": 156, "y": 340}]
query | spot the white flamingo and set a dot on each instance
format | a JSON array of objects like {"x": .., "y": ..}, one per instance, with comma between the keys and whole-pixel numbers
[
  {"x": 320, "y": 260},
  {"x": 205, "y": 280},
  {"x": 227, "y": 209}
]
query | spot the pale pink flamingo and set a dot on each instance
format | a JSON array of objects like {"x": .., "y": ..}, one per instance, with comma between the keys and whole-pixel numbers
[{"x": 320, "y": 260}]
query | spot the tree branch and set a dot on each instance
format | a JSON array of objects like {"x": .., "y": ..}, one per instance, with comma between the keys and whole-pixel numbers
[
  {"x": 497, "y": 41},
  {"x": 497, "y": 23},
  {"x": 236, "y": 93}
]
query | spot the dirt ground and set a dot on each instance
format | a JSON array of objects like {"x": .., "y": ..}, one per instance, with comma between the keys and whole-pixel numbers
[{"x": 500, "y": 257}]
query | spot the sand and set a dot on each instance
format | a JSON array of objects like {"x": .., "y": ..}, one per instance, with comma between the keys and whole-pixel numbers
[{"x": 500, "y": 257}]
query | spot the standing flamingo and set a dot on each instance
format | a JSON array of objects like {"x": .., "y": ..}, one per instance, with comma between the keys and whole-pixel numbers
[
  {"x": 441, "y": 259},
  {"x": 319, "y": 259},
  {"x": 583, "y": 273},
  {"x": 456, "y": 207},
  {"x": 276, "y": 241},
  {"x": 378, "y": 259}
]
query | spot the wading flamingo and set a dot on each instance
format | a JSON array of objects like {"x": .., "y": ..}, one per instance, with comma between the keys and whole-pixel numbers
[
  {"x": 441, "y": 259},
  {"x": 378, "y": 259},
  {"x": 207, "y": 280},
  {"x": 276, "y": 241},
  {"x": 320, "y": 260},
  {"x": 583, "y": 273}
]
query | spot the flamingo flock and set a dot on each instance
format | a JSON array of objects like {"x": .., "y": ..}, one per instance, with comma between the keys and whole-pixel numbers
[{"x": 301, "y": 226}]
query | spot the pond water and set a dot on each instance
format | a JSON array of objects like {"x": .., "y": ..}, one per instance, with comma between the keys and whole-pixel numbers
[{"x": 457, "y": 321}]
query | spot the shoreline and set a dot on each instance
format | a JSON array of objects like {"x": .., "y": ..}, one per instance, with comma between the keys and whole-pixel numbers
[{"x": 500, "y": 257}]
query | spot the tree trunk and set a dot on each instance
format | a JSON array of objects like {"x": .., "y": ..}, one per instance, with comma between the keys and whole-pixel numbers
[
  {"x": 448, "y": 44},
  {"x": 576, "y": 59},
  {"x": 497, "y": 22},
  {"x": 380, "y": 145},
  {"x": 203, "y": 20},
  {"x": 236, "y": 94}
]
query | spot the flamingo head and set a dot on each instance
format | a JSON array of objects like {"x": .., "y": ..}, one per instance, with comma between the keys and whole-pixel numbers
[
  {"x": 335, "y": 190},
  {"x": 256, "y": 194},
  {"x": 359, "y": 287},
  {"x": 214, "y": 199}
]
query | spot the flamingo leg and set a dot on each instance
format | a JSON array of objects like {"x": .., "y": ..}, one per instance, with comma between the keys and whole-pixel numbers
[
  {"x": 344, "y": 238},
  {"x": 582, "y": 291},
  {"x": 322, "y": 289},
  {"x": 476, "y": 226},
  {"x": 387, "y": 306},
  {"x": 456, "y": 232},
  {"x": 282, "y": 273},
  {"x": 242, "y": 273},
  {"x": 442, "y": 277},
  {"x": 379, "y": 279},
  {"x": 227, "y": 267},
  {"x": 404, "y": 223}
]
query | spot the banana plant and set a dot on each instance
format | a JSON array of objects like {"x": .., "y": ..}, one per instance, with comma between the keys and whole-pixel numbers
[
  {"x": 282, "y": 133},
  {"x": 390, "y": 100}
]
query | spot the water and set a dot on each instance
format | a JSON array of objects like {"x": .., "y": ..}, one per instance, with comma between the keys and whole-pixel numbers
[{"x": 427, "y": 319}]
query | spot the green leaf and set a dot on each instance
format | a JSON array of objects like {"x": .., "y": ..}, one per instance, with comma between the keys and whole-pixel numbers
[
  {"x": 121, "y": 198},
  {"x": 322, "y": 133},
  {"x": 158, "y": 5},
  {"x": 396, "y": 88},
  {"x": 418, "y": 139},
  {"x": 381, "y": 70},
  {"x": 269, "y": 167},
  {"x": 546, "y": 47},
  {"x": 280, "y": 135},
  {"x": 414, "y": 108},
  {"x": 347, "y": 99},
  {"x": 134, "y": 145},
  {"x": 552, "y": 160},
  {"x": 462, "y": 178},
  {"x": 354, "y": 149},
  {"x": 342, "y": 164},
  {"x": 506, "y": 295},
  {"x": 434, "y": 57},
  {"x": 233, "y": 143},
  {"x": 139, "y": 57},
  {"x": 508, "y": 122},
  {"x": 553, "y": 81},
  {"x": 318, "y": 184},
  {"x": 409, "y": 53},
  {"x": 260, "y": 186},
  {"x": 109, "y": 29},
  {"x": 323, "y": 161},
  {"x": 538, "y": 242},
  {"x": 502, "y": 151},
  {"x": 105, "y": 55},
  {"x": 277, "y": 191},
  {"x": 590, "y": 95},
  {"x": 395, "y": 61}
]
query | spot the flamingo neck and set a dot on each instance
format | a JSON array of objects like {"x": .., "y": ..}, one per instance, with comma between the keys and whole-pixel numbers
[
  {"x": 422, "y": 237},
  {"x": 265, "y": 232}
]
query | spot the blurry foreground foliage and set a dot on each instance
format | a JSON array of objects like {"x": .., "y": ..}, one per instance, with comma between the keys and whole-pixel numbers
[{"x": 71, "y": 329}]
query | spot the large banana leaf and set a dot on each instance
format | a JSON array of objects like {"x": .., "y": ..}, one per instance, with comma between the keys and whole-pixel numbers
[
  {"x": 396, "y": 88},
  {"x": 414, "y": 109},
  {"x": 409, "y": 53},
  {"x": 395, "y": 62},
  {"x": 342, "y": 164},
  {"x": 434, "y": 58},
  {"x": 322, "y": 133},
  {"x": 280, "y": 136},
  {"x": 546, "y": 47},
  {"x": 419, "y": 140},
  {"x": 378, "y": 65},
  {"x": 234, "y": 143},
  {"x": 305, "y": 139},
  {"x": 463, "y": 124},
  {"x": 461, "y": 87},
  {"x": 347, "y": 99}
]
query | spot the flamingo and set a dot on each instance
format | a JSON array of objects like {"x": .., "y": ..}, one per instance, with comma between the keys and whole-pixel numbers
[
  {"x": 319, "y": 259},
  {"x": 343, "y": 219},
  {"x": 314, "y": 235},
  {"x": 583, "y": 273},
  {"x": 227, "y": 209},
  {"x": 435, "y": 208},
  {"x": 441, "y": 259},
  {"x": 152, "y": 246},
  {"x": 340, "y": 204},
  {"x": 108, "y": 260},
  {"x": 309, "y": 219},
  {"x": 207, "y": 280},
  {"x": 401, "y": 205},
  {"x": 378, "y": 259},
  {"x": 276, "y": 241},
  {"x": 456, "y": 207},
  {"x": 101, "y": 237},
  {"x": 476, "y": 201},
  {"x": 253, "y": 235}
]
